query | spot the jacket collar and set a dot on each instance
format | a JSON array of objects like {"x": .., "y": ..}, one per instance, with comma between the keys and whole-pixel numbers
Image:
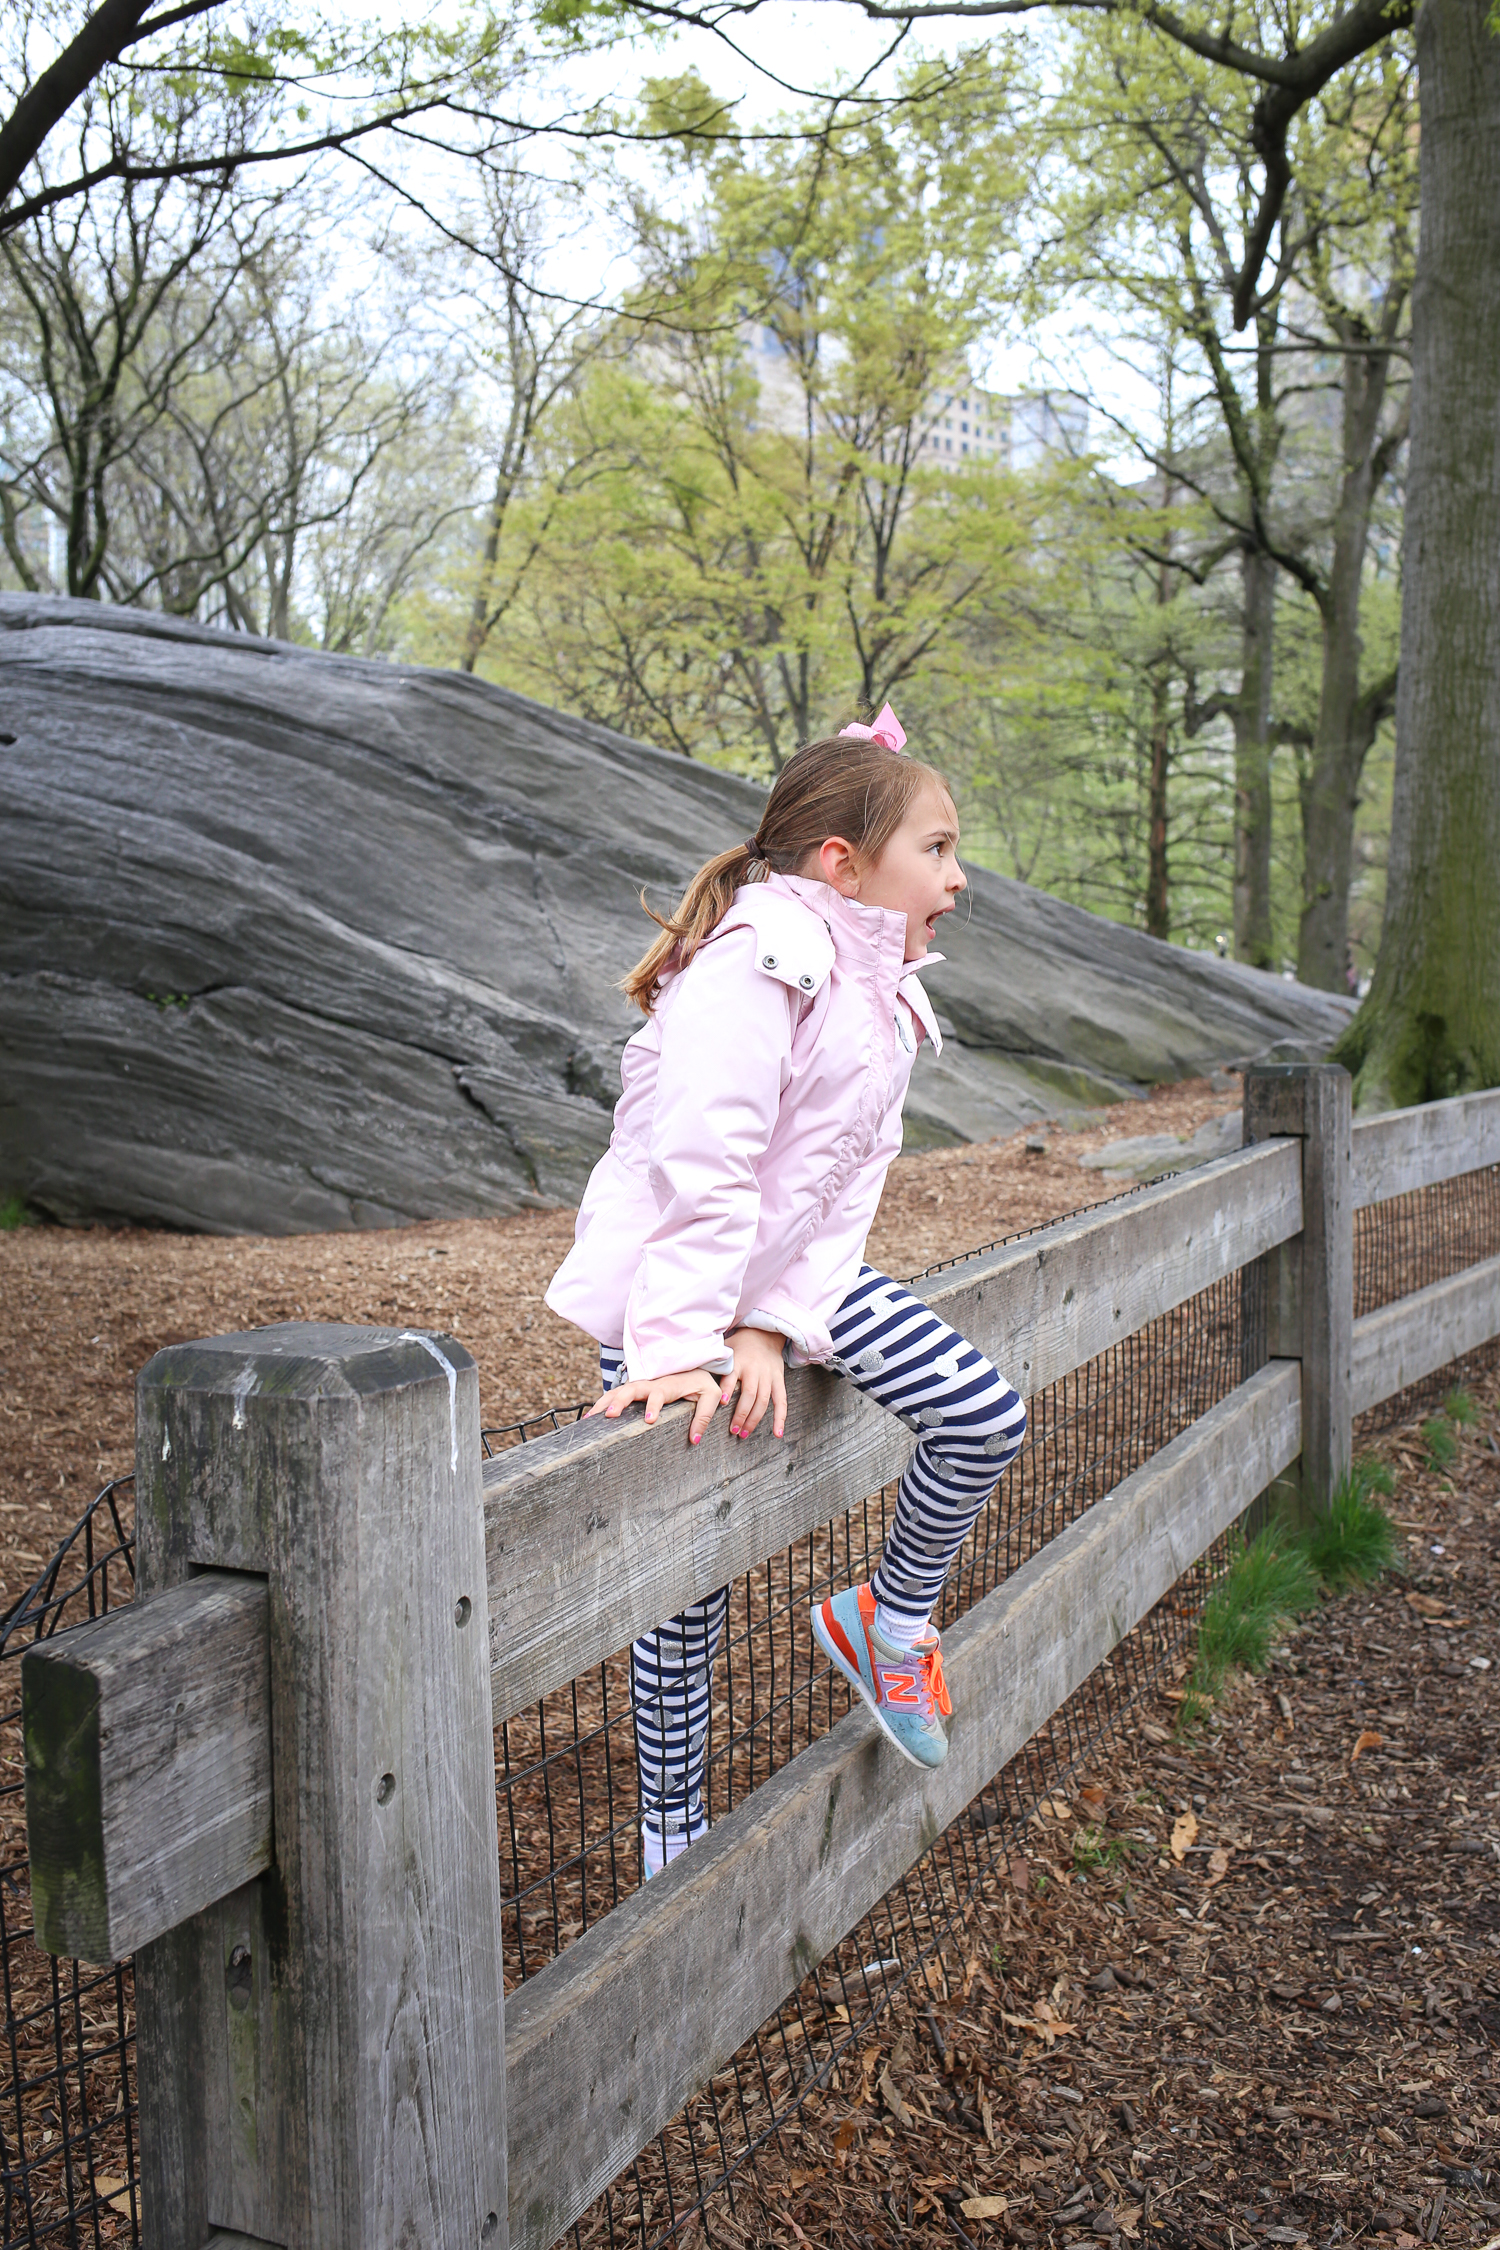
[
  {"x": 847, "y": 921},
  {"x": 916, "y": 999}
]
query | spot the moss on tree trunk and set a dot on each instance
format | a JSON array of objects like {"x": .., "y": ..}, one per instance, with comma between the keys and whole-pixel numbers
[{"x": 1431, "y": 1024}]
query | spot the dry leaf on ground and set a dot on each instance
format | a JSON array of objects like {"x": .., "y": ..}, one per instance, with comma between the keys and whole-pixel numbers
[
  {"x": 1184, "y": 1834},
  {"x": 1367, "y": 1740},
  {"x": 892, "y": 2099}
]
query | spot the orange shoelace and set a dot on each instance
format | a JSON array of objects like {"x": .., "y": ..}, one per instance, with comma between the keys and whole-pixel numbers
[{"x": 932, "y": 1667}]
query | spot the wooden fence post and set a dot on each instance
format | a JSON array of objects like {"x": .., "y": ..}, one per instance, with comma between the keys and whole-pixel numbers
[
  {"x": 1309, "y": 1281},
  {"x": 321, "y": 2054}
]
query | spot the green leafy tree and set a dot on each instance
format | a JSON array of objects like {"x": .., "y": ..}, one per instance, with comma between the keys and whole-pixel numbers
[
  {"x": 1431, "y": 1022},
  {"x": 80, "y": 90},
  {"x": 775, "y": 539},
  {"x": 1158, "y": 203}
]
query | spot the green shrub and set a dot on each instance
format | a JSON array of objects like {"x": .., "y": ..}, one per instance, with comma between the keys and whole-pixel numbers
[
  {"x": 13, "y": 1214},
  {"x": 1355, "y": 1541},
  {"x": 1441, "y": 1442},
  {"x": 1459, "y": 1407}
]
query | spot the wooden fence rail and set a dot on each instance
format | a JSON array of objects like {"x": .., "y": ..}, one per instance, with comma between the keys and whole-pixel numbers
[{"x": 272, "y": 1777}]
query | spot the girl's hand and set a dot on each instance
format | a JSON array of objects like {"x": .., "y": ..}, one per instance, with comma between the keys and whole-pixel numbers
[
  {"x": 760, "y": 1377},
  {"x": 660, "y": 1391}
]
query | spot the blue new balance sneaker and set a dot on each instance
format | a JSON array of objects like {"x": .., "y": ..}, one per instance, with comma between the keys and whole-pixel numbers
[{"x": 904, "y": 1687}]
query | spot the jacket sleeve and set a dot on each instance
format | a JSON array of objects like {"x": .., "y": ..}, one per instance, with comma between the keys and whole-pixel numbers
[{"x": 726, "y": 1042}]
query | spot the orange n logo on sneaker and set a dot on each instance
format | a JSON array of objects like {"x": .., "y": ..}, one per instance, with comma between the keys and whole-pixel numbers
[{"x": 900, "y": 1687}]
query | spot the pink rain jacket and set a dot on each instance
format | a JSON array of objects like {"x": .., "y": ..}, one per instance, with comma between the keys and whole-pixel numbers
[{"x": 760, "y": 1113}]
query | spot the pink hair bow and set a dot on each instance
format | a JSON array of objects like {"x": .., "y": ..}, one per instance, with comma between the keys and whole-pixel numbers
[{"x": 887, "y": 730}]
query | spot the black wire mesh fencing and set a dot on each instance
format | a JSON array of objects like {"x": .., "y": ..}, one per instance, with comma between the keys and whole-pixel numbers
[
  {"x": 566, "y": 1777},
  {"x": 1408, "y": 1243},
  {"x": 67, "y": 2111},
  {"x": 570, "y": 1847}
]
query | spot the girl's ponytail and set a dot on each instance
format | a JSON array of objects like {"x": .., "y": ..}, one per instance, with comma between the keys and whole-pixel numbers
[
  {"x": 704, "y": 905},
  {"x": 851, "y": 785}
]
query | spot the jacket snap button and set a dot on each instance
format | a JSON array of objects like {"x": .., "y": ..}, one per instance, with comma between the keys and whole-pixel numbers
[
  {"x": 768, "y": 960},
  {"x": 806, "y": 983}
]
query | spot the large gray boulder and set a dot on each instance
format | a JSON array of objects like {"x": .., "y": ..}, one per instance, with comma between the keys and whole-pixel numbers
[{"x": 293, "y": 941}]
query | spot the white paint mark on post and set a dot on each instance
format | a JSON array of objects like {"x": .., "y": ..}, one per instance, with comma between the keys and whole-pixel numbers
[
  {"x": 244, "y": 1384},
  {"x": 166, "y": 1445},
  {"x": 414, "y": 1336}
]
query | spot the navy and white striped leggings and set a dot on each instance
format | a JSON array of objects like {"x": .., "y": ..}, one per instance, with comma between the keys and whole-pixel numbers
[{"x": 969, "y": 1425}]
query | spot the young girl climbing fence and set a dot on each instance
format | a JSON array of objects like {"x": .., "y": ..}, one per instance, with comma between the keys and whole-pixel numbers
[{"x": 723, "y": 1232}]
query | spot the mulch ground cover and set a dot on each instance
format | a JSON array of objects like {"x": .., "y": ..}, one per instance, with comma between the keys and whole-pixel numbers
[{"x": 1237, "y": 1988}]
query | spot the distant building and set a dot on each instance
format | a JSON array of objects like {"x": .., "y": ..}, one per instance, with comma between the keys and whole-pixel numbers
[
  {"x": 968, "y": 423},
  {"x": 965, "y": 423},
  {"x": 1018, "y": 431},
  {"x": 1045, "y": 423}
]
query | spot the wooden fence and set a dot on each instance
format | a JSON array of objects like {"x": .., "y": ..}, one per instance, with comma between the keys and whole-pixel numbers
[{"x": 272, "y": 1777}]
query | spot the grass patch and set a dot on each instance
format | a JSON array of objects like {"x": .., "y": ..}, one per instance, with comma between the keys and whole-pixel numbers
[
  {"x": 1355, "y": 1541},
  {"x": 1268, "y": 1584},
  {"x": 1093, "y": 1850},
  {"x": 1461, "y": 1408},
  {"x": 1441, "y": 1441},
  {"x": 13, "y": 1214},
  {"x": 1277, "y": 1577}
]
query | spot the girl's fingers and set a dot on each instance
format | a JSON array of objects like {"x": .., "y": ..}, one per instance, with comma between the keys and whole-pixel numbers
[
  {"x": 703, "y": 1412},
  {"x": 778, "y": 1400},
  {"x": 752, "y": 1407},
  {"x": 703, "y": 1391}
]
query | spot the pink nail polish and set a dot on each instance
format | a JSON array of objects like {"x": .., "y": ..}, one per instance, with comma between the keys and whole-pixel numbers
[{"x": 694, "y": 1438}]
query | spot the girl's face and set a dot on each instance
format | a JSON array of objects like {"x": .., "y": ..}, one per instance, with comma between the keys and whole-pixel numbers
[{"x": 917, "y": 874}]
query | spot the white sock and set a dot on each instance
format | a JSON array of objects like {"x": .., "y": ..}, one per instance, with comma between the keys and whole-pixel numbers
[
  {"x": 901, "y": 1631},
  {"x": 652, "y": 1853}
]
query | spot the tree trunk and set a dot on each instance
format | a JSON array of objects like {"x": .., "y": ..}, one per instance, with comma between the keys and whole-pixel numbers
[
  {"x": 1158, "y": 897},
  {"x": 1345, "y": 729},
  {"x": 1431, "y": 1024},
  {"x": 1252, "y": 766},
  {"x": 479, "y": 613}
]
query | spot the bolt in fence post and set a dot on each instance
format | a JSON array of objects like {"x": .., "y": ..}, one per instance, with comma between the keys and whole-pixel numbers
[
  {"x": 1309, "y": 1282},
  {"x": 321, "y": 2054}
]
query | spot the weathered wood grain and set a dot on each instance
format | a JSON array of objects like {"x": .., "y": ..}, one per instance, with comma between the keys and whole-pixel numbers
[
  {"x": 598, "y": 1533},
  {"x": 638, "y": 2013},
  {"x": 1418, "y": 1334},
  {"x": 1310, "y": 1283},
  {"x": 148, "y": 1765},
  {"x": 321, "y": 2053},
  {"x": 1326, "y": 1283},
  {"x": 1415, "y": 1148}
]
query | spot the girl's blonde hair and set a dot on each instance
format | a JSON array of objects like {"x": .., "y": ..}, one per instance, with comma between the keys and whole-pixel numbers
[{"x": 841, "y": 786}]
